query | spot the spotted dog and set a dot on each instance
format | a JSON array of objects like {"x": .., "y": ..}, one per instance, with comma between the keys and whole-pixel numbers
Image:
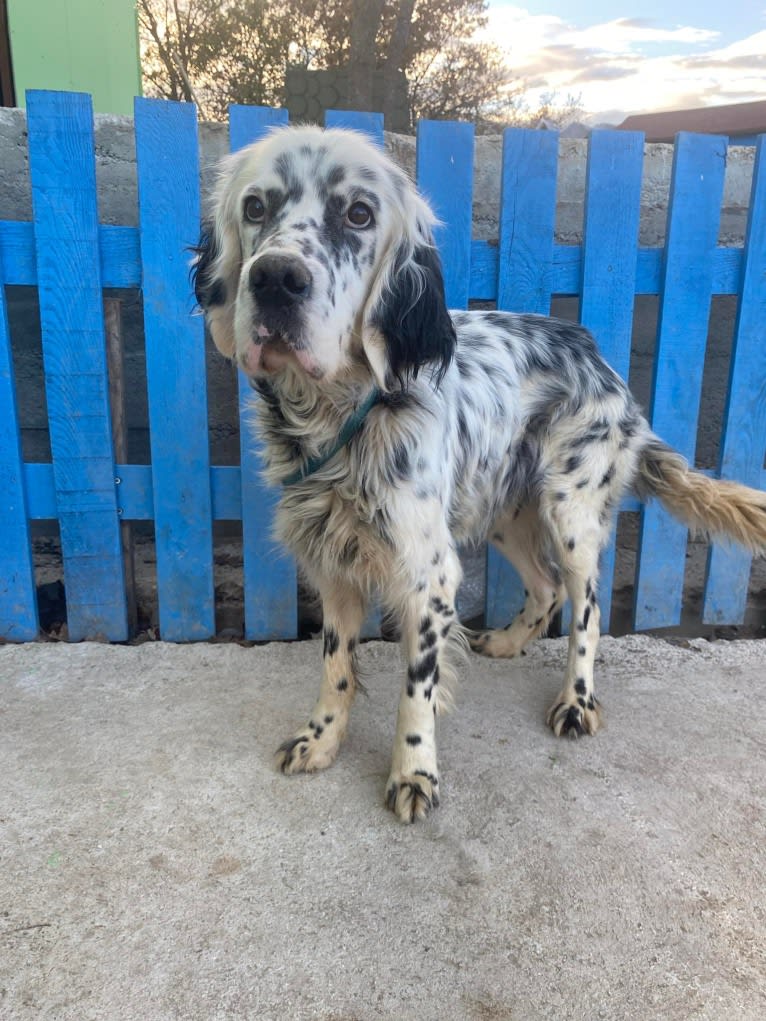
[{"x": 396, "y": 430}]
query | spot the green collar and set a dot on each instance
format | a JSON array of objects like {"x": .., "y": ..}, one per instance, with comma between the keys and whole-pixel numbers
[{"x": 350, "y": 428}]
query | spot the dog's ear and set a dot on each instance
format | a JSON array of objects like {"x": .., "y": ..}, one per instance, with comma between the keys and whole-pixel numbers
[
  {"x": 407, "y": 326},
  {"x": 215, "y": 288}
]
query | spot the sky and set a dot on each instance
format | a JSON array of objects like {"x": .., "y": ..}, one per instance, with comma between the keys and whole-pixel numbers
[{"x": 635, "y": 56}]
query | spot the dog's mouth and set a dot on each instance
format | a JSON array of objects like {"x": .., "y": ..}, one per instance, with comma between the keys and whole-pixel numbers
[{"x": 271, "y": 351}]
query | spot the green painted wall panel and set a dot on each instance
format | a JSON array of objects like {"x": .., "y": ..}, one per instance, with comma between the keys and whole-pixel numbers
[{"x": 79, "y": 45}]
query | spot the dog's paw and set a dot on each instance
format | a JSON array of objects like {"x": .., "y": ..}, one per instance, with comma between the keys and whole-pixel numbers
[
  {"x": 499, "y": 644},
  {"x": 311, "y": 749},
  {"x": 571, "y": 716},
  {"x": 411, "y": 796}
]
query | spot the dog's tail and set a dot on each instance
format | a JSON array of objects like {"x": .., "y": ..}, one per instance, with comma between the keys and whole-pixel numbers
[{"x": 709, "y": 506}]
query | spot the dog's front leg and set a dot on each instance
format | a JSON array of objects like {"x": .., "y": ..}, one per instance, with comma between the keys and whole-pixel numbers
[
  {"x": 428, "y": 618},
  {"x": 316, "y": 745}
]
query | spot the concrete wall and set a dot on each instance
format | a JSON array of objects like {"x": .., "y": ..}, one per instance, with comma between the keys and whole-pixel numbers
[{"x": 118, "y": 203}]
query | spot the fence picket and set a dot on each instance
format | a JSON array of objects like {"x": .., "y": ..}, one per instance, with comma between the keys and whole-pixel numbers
[
  {"x": 368, "y": 123},
  {"x": 527, "y": 221},
  {"x": 63, "y": 176},
  {"x": 270, "y": 583},
  {"x": 694, "y": 211},
  {"x": 444, "y": 171},
  {"x": 169, "y": 211},
  {"x": 610, "y": 248},
  {"x": 744, "y": 435},
  {"x": 18, "y": 606}
]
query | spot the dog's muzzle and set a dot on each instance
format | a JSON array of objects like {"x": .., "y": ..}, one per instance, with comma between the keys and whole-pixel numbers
[{"x": 279, "y": 286}]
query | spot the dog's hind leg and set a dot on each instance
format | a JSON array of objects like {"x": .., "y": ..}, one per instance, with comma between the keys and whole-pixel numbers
[
  {"x": 316, "y": 745},
  {"x": 517, "y": 535},
  {"x": 579, "y": 535}
]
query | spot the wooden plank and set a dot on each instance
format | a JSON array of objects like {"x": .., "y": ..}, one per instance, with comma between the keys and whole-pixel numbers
[
  {"x": 694, "y": 211},
  {"x": 610, "y": 249},
  {"x": 134, "y": 492},
  {"x": 62, "y": 170},
  {"x": 121, "y": 263},
  {"x": 524, "y": 282},
  {"x": 444, "y": 172},
  {"x": 119, "y": 254},
  {"x": 744, "y": 435},
  {"x": 169, "y": 209},
  {"x": 270, "y": 580},
  {"x": 18, "y": 605},
  {"x": 368, "y": 123},
  {"x": 527, "y": 220},
  {"x": 118, "y": 411}
]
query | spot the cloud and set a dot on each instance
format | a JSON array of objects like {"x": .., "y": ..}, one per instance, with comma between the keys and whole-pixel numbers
[
  {"x": 605, "y": 73},
  {"x": 630, "y": 63}
]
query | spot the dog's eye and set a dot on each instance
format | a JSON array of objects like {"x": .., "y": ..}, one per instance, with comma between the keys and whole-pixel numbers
[
  {"x": 254, "y": 209},
  {"x": 359, "y": 216}
]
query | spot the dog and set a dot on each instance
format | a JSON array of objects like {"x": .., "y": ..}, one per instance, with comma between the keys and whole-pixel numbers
[{"x": 397, "y": 430}]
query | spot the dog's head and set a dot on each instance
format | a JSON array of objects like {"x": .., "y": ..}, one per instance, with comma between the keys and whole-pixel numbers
[{"x": 319, "y": 255}]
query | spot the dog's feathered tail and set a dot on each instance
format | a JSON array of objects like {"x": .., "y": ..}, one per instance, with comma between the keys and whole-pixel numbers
[{"x": 709, "y": 506}]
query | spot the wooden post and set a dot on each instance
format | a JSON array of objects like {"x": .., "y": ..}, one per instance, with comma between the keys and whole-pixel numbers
[{"x": 117, "y": 406}]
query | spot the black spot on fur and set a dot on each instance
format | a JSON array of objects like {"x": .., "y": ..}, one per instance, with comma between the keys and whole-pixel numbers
[
  {"x": 441, "y": 607},
  {"x": 331, "y": 642},
  {"x": 413, "y": 739},
  {"x": 580, "y": 686},
  {"x": 342, "y": 684},
  {"x": 423, "y": 669},
  {"x": 401, "y": 461},
  {"x": 573, "y": 723},
  {"x": 427, "y": 641}
]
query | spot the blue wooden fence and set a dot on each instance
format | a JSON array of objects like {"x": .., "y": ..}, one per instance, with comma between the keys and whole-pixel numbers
[{"x": 70, "y": 258}]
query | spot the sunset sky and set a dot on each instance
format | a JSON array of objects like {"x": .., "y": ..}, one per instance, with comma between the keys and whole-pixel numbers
[{"x": 631, "y": 57}]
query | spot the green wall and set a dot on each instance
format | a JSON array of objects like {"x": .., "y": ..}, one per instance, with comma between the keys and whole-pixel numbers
[{"x": 78, "y": 45}]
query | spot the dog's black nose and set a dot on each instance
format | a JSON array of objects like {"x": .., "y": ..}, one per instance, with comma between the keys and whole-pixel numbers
[{"x": 279, "y": 281}]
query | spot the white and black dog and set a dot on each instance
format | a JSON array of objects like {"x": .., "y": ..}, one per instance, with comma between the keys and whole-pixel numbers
[{"x": 397, "y": 430}]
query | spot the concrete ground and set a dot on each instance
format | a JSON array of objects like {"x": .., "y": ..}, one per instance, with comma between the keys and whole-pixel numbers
[{"x": 154, "y": 866}]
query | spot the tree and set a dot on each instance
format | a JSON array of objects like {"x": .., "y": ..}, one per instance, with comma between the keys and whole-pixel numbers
[{"x": 216, "y": 52}]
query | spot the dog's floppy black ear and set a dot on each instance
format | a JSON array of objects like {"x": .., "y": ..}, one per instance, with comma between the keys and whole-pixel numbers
[
  {"x": 407, "y": 324},
  {"x": 214, "y": 292}
]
